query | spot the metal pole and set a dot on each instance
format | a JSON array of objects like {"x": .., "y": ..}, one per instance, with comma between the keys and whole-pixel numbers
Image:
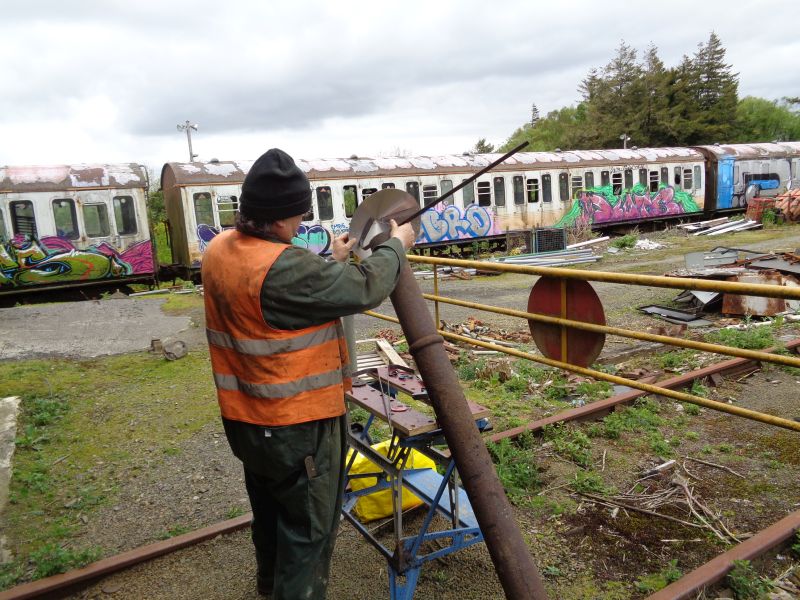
[
  {"x": 511, "y": 556},
  {"x": 436, "y": 292},
  {"x": 189, "y": 139}
]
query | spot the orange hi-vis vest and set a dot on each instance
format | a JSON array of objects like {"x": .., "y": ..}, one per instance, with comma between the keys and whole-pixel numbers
[{"x": 266, "y": 376}]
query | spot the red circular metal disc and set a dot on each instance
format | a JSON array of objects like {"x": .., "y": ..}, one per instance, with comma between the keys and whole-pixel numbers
[{"x": 567, "y": 344}]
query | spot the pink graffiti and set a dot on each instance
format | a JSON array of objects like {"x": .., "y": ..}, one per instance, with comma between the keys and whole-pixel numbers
[{"x": 595, "y": 208}]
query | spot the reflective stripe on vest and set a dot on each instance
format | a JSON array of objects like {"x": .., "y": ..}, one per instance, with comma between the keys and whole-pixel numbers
[
  {"x": 269, "y": 347},
  {"x": 278, "y": 390}
]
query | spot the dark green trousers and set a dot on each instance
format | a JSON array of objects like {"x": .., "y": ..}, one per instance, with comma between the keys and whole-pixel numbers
[{"x": 295, "y": 480}]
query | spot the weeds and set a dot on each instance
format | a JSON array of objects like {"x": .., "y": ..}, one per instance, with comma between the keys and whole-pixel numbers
[
  {"x": 698, "y": 389},
  {"x": 657, "y": 581},
  {"x": 745, "y": 582},
  {"x": 626, "y": 241},
  {"x": 677, "y": 359},
  {"x": 515, "y": 466},
  {"x": 749, "y": 338},
  {"x": 642, "y": 416},
  {"x": 590, "y": 482},
  {"x": 174, "y": 531},
  {"x": 570, "y": 443},
  {"x": 52, "y": 559},
  {"x": 234, "y": 511}
]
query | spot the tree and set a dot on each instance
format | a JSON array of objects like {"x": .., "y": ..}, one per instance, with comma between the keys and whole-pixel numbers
[
  {"x": 563, "y": 128},
  {"x": 534, "y": 115},
  {"x": 715, "y": 90},
  {"x": 653, "y": 116},
  {"x": 760, "y": 120},
  {"x": 482, "y": 147}
]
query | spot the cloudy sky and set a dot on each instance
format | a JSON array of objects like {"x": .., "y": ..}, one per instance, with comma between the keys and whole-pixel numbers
[{"x": 109, "y": 80}]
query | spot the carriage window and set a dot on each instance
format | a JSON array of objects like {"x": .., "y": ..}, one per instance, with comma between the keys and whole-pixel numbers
[
  {"x": 736, "y": 174},
  {"x": 533, "y": 190},
  {"x": 665, "y": 175},
  {"x": 125, "y": 215},
  {"x": 367, "y": 192},
  {"x": 547, "y": 193},
  {"x": 66, "y": 218},
  {"x": 469, "y": 194},
  {"x": 628, "y": 179},
  {"x": 429, "y": 194},
  {"x": 203, "y": 214},
  {"x": 23, "y": 221},
  {"x": 653, "y": 181},
  {"x": 577, "y": 185},
  {"x": 605, "y": 178},
  {"x": 519, "y": 190},
  {"x": 643, "y": 177},
  {"x": 698, "y": 182},
  {"x": 3, "y": 230},
  {"x": 226, "y": 210},
  {"x": 499, "y": 191},
  {"x": 325, "y": 203},
  {"x": 447, "y": 185},
  {"x": 484, "y": 193},
  {"x": 677, "y": 175},
  {"x": 687, "y": 179},
  {"x": 563, "y": 187},
  {"x": 387, "y": 186},
  {"x": 412, "y": 187},
  {"x": 588, "y": 177},
  {"x": 95, "y": 219},
  {"x": 616, "y": 183},
  {"x": 350, "y": 193}
]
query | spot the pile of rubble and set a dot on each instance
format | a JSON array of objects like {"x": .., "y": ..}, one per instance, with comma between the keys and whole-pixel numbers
[{"x": 738, "y": 265}]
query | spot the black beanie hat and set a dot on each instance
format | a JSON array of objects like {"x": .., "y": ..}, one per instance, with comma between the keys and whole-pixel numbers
[{"x": 275, "y": 188}]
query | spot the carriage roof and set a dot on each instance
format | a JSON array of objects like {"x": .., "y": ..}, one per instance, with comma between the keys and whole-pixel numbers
[{"x": 57, "y": 178}]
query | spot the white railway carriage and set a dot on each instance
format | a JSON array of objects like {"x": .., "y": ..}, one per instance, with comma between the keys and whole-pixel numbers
[
  {"x": 530, "y": 189},
  {"x": 73, "y": 225}
]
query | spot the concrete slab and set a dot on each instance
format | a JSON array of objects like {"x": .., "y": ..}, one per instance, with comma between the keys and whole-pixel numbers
[
  {"x": 85, "y": 329},
  {"x": 8, "y": 433}
]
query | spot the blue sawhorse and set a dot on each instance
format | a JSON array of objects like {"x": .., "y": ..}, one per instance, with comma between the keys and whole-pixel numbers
[{"x": 440, "y": 493}]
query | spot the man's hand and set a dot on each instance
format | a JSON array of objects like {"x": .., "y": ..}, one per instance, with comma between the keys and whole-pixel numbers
[
  {"x": 340, "y": 249},
  {"x": 404, "y": 233}
]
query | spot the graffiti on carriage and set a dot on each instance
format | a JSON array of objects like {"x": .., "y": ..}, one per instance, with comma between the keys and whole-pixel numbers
[
  {"x": 313, "y": 237},
  {"x": 448, "y": 223},
  {"x": 601, "y": 205},
  {"x": 31, "y": 261}
]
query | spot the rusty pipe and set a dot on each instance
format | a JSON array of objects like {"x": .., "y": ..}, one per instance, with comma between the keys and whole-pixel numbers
[{"x": 510, "y": 554}]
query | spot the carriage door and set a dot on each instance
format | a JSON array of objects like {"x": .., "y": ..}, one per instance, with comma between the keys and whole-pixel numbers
[{"x": 725, "y": 183}]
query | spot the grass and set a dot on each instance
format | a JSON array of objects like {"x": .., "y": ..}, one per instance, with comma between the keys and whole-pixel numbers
[
  {"x": 749, "y": 338},
  {"x": 656, "y": 581},
  {"x": 81, "y": 424},
  {"x": 626, "y": 241},
  {"x": 678, "y": 359},
  {"x": 570, "y": 443}
]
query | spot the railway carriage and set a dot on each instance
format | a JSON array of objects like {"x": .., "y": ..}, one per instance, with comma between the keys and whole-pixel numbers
[{"x": 73, "y": 225}]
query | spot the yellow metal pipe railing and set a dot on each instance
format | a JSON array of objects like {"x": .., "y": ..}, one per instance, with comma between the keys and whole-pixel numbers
[
  {"x": 679, "y": 283},
  {"x": 789, "y": 361},
  {"x": 615, "y": 379}
]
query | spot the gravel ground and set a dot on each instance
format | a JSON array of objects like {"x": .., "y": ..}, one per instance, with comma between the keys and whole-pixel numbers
[{"x": 201, "y": 483}]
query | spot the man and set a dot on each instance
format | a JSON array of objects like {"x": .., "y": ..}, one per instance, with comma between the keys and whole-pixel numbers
[{"x": 280, "y": 366}]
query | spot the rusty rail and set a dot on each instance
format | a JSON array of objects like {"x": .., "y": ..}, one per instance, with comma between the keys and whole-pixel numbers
[
  {"x": 718, "y": 567},
  {"x": 106, "y": 566}
]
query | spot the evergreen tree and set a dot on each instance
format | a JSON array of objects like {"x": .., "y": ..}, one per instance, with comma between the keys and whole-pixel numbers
[
  {"x": 534, "y": 115},
  {"x": 482, "y": 147},
  {"x": 715, "y": 90},
  {"x": 760, "y": 120},
  {"x": 653, "y": 116}
]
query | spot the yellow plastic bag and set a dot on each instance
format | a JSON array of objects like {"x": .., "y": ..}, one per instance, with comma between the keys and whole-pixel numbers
[{"x": 378, "y": 505}]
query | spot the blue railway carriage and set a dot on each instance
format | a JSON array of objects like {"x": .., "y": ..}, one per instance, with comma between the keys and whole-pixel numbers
[
  {"x": 73, "y": 225},
  {"x": 739, "y": 172}
]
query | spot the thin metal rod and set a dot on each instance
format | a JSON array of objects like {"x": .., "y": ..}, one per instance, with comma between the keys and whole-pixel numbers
[
  {"x": 679, "y": 283},
  {"x": 646, "y": 387},
  {"x": 465, "y": 183},
  {"x": 789, "y": 361}
]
